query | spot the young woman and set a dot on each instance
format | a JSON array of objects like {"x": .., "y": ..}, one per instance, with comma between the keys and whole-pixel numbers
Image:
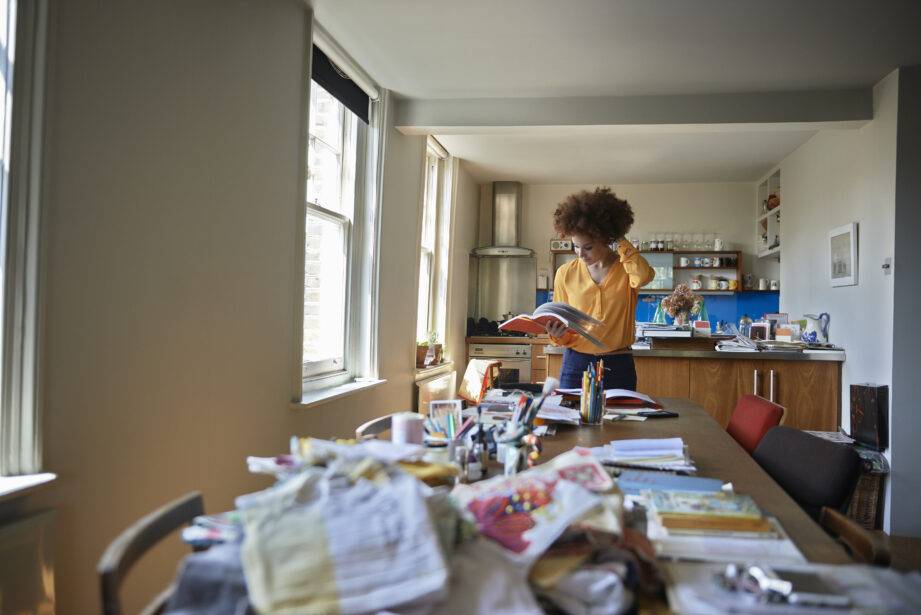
[{"x": 602, "y": 282}]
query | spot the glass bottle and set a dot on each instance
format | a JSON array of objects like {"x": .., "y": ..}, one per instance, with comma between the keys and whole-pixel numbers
[{"x": 745, "y": 325}]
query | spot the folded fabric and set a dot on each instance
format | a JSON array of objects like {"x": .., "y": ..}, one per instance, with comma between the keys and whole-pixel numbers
[{"x": 329, "y": 545}]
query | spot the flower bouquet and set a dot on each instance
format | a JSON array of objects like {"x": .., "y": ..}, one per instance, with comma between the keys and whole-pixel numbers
[{"x": 682, "y": 303}]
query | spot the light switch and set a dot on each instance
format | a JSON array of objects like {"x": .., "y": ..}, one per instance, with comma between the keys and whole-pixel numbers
[{"x": 887, "y": 266}]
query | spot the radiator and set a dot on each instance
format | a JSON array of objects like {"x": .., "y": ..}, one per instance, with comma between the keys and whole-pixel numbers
[
  {"x": 27, "y": 565},
  {"x": 437, "y": 388}
]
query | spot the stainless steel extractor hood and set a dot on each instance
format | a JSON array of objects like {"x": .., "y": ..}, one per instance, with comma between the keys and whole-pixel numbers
[{"x": 505, "y": 228}]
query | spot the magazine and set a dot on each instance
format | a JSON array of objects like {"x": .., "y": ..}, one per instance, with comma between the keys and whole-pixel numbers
[{"x": 536, "y": 323}]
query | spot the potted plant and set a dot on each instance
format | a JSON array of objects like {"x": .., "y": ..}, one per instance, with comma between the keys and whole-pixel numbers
[
  {"x": 425, "y": 358},
  {"x": 681, "y": 304}
]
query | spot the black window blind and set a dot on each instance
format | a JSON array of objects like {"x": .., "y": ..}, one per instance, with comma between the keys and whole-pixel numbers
[{"x": 341, "y": 87}]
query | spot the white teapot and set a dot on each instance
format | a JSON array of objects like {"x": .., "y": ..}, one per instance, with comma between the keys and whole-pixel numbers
[{"x": 816, "y": 328}]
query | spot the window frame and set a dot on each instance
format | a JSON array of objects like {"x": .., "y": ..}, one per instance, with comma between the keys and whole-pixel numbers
[
  {"x": 360, "y": 358},
  {"x": 436, "y": 317},
  {"x": 325, "y": 373},
  {"x": 20, "y": 399}
]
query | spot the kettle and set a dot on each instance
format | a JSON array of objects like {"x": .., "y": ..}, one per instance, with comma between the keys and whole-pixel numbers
[{"x": 816, "y": 328}]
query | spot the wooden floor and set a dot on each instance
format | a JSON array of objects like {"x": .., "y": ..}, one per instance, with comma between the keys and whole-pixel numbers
[{"x": 906, "y": 553}]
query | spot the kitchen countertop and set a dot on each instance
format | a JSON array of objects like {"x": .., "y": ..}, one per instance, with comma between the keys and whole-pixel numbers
[{"x": 808, "y": 355}]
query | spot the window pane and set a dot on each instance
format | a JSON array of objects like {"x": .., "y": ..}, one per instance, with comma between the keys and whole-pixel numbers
[
  {"x": 324, "y": 295},
  {"x": 326, "y": 115},
  {"x": 425, "y": 278},
  {"x": 331, "y": 153},
  {"x": 324, "y": 175}
]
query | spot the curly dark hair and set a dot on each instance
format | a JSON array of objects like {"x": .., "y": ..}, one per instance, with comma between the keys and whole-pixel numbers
[{"x": 599, "y": 215}]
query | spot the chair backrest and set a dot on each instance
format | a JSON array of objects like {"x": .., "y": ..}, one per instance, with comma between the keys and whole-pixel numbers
[
  {"x": 813, "y": 471},
  {"x": 133, "y": 542},
  {"x": 752, "y": 417},
  {"x": 374, "y": 427},
  {"x": 479, "y": 377},
  {"x": 864, "y": 546}
]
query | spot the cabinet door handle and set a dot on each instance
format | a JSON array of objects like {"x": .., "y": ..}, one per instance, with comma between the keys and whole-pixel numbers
[
  {"x": 771, "y": 386},
  {"x": 755, "y": 384}
]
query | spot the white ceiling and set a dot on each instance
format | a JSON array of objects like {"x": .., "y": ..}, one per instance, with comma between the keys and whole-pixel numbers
[
  {"x": 625, "y": 154},
  {"x": 561, "y": 48},
  {"x": 441, "y": 49}
]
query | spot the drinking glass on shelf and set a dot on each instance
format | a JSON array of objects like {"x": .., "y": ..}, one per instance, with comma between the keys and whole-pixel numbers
[
  {"x": 686, "y": 241},
  {"x": 698, "y": 241},
  {"x": 708, "y": 241},
  {"x": 669, "y": 242},
  {"x": 660, "y": 241}
]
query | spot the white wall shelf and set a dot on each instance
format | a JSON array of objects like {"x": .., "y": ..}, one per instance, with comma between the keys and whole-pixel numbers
[{"x": 767, "y": 221}]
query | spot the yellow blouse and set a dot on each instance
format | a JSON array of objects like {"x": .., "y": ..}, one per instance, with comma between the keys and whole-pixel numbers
[{"x": 613, "y": 301}]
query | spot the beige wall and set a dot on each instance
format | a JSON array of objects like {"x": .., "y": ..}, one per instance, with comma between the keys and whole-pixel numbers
[
  {"x": 837, "y": 177},
  {"x": 463, "y": 240},
  {"x": 172, "y": 179},
  {"x": 724, "y": 208}
]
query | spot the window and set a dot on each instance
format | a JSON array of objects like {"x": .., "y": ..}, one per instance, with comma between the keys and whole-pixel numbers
[
  {"x": 331, "y": 166},
  {"x": 22, "y": 38},
  {"x": 344, "y": 141},
  {"x": 434, "y": 240}
]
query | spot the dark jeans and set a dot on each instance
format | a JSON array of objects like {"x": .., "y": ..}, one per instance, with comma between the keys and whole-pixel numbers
[{"x": 619, "y": 371}]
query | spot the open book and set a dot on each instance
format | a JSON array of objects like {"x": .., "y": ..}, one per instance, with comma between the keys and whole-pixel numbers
[{"x": 536, "y": 323}]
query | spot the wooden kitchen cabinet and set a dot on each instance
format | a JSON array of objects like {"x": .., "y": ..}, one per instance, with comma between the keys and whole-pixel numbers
[
  {"x": 716, "y": 385},
  {"x": 665, "y": 377},
  {"x": 809, "y": 390}
]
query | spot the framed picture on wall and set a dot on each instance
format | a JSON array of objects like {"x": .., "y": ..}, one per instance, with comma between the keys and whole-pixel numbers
[{"x": 842, "y": 255}]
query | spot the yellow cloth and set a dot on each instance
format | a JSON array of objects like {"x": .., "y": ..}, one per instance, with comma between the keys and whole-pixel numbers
[{"x": 613, "y": 302}]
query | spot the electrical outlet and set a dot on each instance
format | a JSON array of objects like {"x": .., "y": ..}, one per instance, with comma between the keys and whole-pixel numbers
[{"x": 887, "y": 266}]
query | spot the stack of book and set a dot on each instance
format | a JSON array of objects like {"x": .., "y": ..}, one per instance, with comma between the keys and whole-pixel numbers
[
  {"x": 651, "y": 454},
  {"x": 719, "y": 514}
]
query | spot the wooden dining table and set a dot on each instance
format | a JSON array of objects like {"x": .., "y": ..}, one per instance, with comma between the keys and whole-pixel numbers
[{"x": 716, "y": 455}]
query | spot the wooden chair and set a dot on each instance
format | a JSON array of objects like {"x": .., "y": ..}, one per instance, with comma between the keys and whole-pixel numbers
[
  {"x": 865, "y": 546},
  {"x": 752, "y": 417},
  {"x": 128, "y": 547}
]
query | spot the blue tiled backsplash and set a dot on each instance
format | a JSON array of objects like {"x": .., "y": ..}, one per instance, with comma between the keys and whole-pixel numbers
[{"x": 719, "y": 307}]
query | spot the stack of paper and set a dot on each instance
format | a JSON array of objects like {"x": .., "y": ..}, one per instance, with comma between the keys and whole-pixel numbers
[
  {"x": 553, "y": 410},
  {"x": 655, "y": 453},
  {"x": 739, "y": 343}
]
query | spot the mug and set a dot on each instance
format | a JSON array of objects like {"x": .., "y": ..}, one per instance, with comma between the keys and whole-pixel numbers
[
  {"x": 733, "y": 284},
  {"x": 718, "y": 244},
  {"x": 714, "y": 284},
  {"x": 762, "y": 284},
  {"x": 716, "y": 261},
  {"x": 705, "y": 261},
  {"x": 695, "y": 284},
  {"x": 697, "y": 261},
  {"x": 684, "y": 261},
  {"x": 775, "y": 285},
  {"x": 724, "y": 284}
]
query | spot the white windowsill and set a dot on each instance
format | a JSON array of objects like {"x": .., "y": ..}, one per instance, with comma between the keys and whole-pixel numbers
[
  {"x": 424, "y": 373},
  {"x": 17, "y": 486},
  {"x": 315, "y": 398}
]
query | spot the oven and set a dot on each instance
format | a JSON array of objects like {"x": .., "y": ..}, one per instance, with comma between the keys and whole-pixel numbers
[{"x": 515, "y": 358}]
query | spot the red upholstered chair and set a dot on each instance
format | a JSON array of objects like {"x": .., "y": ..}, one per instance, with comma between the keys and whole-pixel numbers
[{"x": 752, "y": 417}]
